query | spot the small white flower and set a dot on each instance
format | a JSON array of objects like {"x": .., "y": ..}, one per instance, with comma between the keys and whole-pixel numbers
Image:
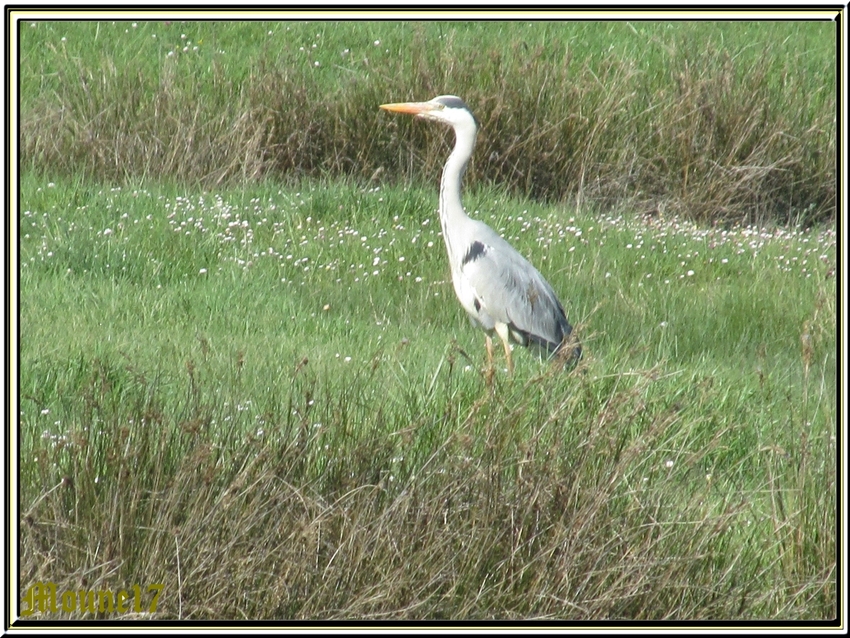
[
  {"x": 202, "y": 271},
  {"x": 668, "y": 464},
  {"x": 690, "y": 273}
]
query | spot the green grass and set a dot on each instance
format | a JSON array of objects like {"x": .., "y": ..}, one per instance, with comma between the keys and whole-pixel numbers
[
  {"x": 268, "y": 399},
  {"x": 244, "y": 373},
  {"x": 713, "y": 121}
]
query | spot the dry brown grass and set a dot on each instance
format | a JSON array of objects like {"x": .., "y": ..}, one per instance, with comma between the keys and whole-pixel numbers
[
  {"x": 712, "y": 137},
  {"x": 576, "y": 518}
]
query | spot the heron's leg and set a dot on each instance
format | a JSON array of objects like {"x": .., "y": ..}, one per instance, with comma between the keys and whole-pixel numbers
[
  {"x": 489, "y": 373},
  {"x": 502, "y": 331}
]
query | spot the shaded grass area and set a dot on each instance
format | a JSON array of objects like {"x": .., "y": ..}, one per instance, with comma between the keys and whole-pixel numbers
[
  {"x": 603, "y": 498},
  {"x": 713, "y": 121},
  {"x": 267, "y": 400}
]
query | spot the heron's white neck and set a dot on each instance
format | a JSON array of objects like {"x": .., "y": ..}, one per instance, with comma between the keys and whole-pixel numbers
[{"x": 452, "y": 215}]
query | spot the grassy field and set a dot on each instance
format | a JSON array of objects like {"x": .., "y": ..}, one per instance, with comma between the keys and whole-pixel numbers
[
  {"x": 279, "y": 386},
  {"x": 731, "y": 121},
  {"x": 246, "y": 377}
]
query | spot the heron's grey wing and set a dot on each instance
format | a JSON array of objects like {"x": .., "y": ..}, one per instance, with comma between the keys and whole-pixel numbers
[{"x": 513, "y": 292}]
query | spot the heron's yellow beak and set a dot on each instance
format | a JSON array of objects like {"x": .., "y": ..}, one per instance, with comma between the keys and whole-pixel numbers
[{"x": 411, "y": 108}]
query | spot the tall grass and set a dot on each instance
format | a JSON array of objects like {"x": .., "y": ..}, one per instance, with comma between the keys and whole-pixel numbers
[
  {"x": 268, "y": 400},
  {"x": 713, "y": 121}
]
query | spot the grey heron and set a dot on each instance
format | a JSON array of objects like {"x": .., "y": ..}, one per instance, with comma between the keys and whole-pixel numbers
[{"x": 499, "y": 289}]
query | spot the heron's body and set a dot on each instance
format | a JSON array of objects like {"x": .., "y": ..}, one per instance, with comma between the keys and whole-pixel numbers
[{"x": 499, "y": 289}]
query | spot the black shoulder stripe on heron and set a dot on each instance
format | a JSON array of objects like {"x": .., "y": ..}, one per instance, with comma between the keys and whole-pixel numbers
[{"x": 476, "y": 250}]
